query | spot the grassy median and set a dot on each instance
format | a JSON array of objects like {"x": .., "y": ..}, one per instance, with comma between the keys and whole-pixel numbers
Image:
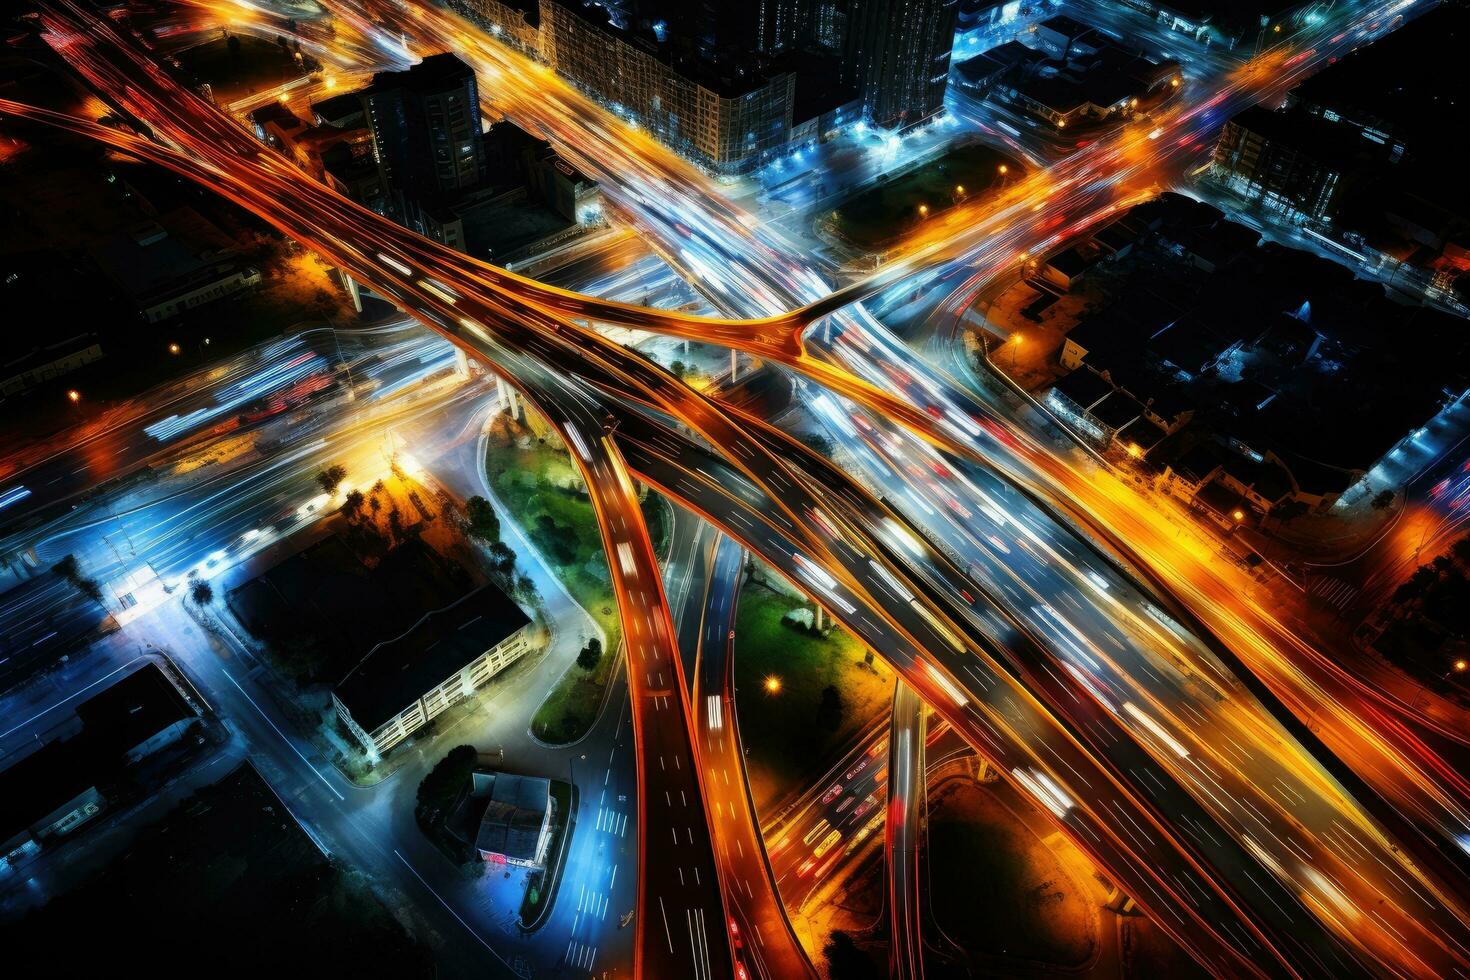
[
  {"x": 542, "y": 492},
  {"x": 791, "y": 736}
]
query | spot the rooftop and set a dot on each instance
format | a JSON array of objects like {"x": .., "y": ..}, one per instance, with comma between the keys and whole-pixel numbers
[
  {"x": 515, "y": 811},
  {"x": 132, "y": 710},
  {"x": 397, "y": 671},
  {"x": 40, "y": 783},
  {"x": 726, "y": 76}
]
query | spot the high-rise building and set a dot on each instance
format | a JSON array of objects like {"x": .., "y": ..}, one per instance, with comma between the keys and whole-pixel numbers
[
  {"x": 726, "y": 110},
  {"x": 425, "y": 125},
  {"x": 791, "y": 25},
  {"x": 897, "y": 56}
]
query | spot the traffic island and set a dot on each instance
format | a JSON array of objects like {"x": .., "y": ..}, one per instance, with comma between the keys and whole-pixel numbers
[
  {"x": 805, "y": 690},
  {"x": 903, "y": 203},
  {"x": 542, "y": 886}
]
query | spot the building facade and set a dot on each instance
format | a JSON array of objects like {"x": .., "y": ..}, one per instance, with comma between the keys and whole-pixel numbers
[
  {"x": 897, "y": 55},
  {"x": 425, "y": 127},
  {"x": 725, "y": 115},
  {"x": 512, "y": 22},
  {"x": 1271, "y": 157}
]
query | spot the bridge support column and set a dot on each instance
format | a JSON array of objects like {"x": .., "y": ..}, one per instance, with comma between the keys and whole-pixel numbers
[
  {"x": 734, "y": 365},
  {"x": 461, "y": 363},
  {"x": 1119, "y": 902},
  {"x": 353, "y": 291},
  {"x": 506, "y": 398}
]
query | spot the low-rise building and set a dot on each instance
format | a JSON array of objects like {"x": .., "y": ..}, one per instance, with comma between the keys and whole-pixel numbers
[
  {"x": 137, "y": 716},
  {"x": 46, "y": 363},
  {"x": 406, "y": 681},
  {"x": 167, "y": 270},
  {"x": 515, "y": 825},
  {"x": 48, "y": 794},
  {"x": 58, "y": 788}
]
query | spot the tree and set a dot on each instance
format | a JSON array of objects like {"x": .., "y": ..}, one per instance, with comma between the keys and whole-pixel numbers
[
  {"x": 375, "y": 504},
  {"x": 1417, "y": 586},
  {"x": 440, "y": 789},
  {"x": 505, "y": 559},
  {"x": 1382, "y": 499},
  {"x": 525, "y": 587},
  {"x": 352, "y": 506},
  {"x": 679, "y": 369},
  {"x": 829, "y": 711},
  {"x": 819, "y": 444},
  {"x": 331, "y": 478},
  {"x": 591, "y": 653},
  {"x": 845, "y": 961},
  {"x": 1461, "y": 550},
  {"x": 481, "y": 520},
  {"x": 68, "y": 569},
  {"x": 201, "y": 592}
]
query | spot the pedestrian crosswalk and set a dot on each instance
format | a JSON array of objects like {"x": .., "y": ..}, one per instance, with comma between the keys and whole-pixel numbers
[{"x": 1332, "y": 591}]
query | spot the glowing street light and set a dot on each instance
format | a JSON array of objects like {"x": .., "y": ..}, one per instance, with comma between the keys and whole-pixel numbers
[
  {"x": 1461, "y": 666},
  {"x": 74, "y": 396},
  {"x": 173, "y": 348},
  {"x": 773, "y": 684},
  {"x": 1238, "y": 515},
  {"x": 1016, "y": 342},
  {"x": 923, "y": 210},
  {"x": 1003, "y": 169}
]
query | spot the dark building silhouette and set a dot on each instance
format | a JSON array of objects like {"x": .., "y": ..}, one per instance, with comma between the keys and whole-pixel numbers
[
  {"x": 897, "y": 56},
  {"x": 425, "y": 125}
]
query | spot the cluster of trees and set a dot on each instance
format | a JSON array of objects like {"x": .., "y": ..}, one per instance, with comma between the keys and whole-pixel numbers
[
  {"x": 331, "y": 478},
  {"x": 1440, "y": 590},
  {"x": 440, "y": 789},
  {"x": 590, "y": 654},
  {"x": 482, "y": 523}
]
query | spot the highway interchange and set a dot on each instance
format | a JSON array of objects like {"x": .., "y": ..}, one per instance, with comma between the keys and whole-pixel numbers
[{"x": 961, "y": 550}]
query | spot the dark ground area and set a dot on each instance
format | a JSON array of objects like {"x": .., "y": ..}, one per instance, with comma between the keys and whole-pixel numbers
[
  {"x": 882, "y": 212},
  {"x": 227, "y": 884}
]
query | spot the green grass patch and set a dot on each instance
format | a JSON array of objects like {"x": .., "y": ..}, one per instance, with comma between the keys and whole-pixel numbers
[
  {"x": 541, "y": 489},
  {"x": 541, "y": 889},
  {"x": 790, "y": 738},
  {"x": 996, "y": 887},
  {"x": 881, "y": 213}
]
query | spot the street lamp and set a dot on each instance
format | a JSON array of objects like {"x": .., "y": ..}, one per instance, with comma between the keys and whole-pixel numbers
[
  {"x": 1015, "y": 346},
  {"x": 1238, "y": 515},
  {"x": 173, "y": 348},
  {"x": 923, "y": 210},
  {"x": 773, "y": 684},
  {"x": 74, "y": 396}
]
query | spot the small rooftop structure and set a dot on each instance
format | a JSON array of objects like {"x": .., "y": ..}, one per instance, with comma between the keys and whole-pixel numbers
[{"x": 517, "y": 818}]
